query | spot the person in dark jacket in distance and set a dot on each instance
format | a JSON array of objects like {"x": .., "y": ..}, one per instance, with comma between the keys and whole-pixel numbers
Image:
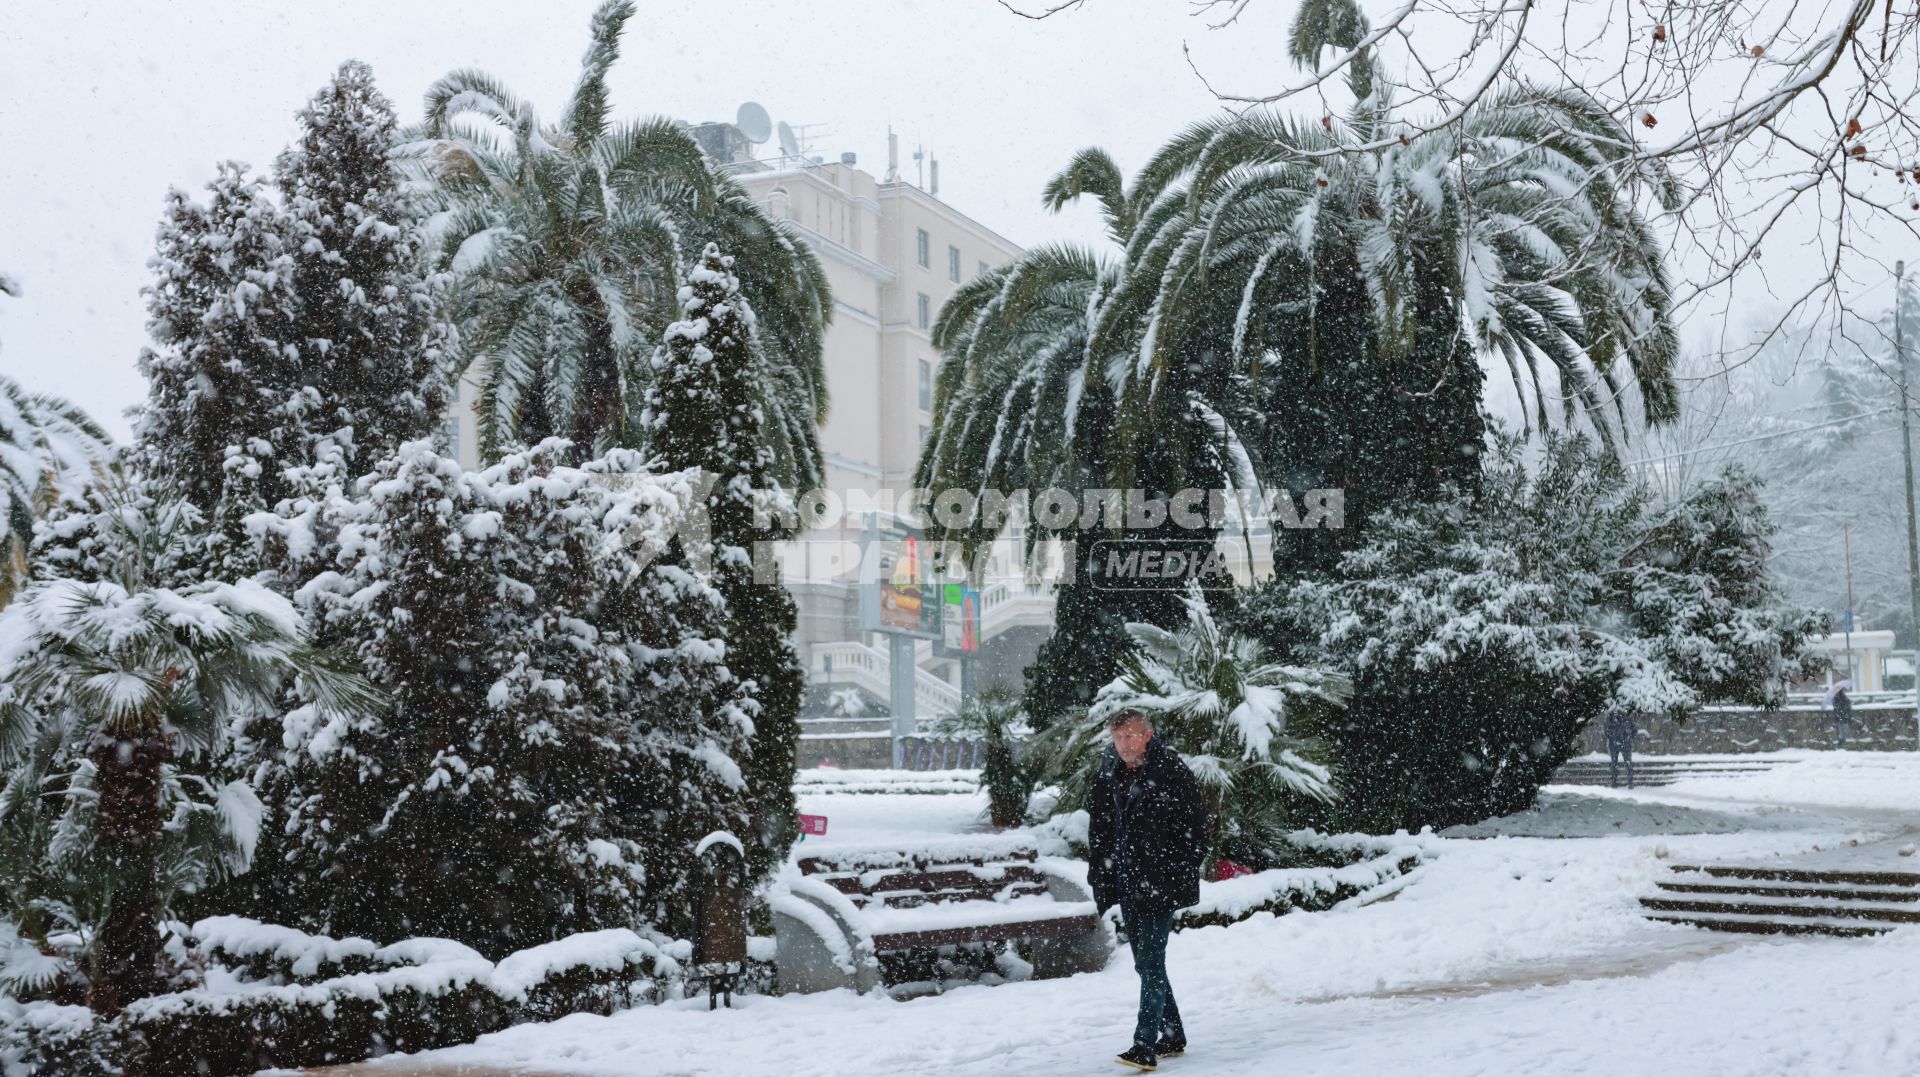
[
  {"x": 1842, "y": 713},
  {"x": 1146, "y": 832},
  {"x": 1620, "y": 733}
]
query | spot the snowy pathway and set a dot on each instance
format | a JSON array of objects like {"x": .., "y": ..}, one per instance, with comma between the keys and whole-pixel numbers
[{"x": 1509, "y": 955}]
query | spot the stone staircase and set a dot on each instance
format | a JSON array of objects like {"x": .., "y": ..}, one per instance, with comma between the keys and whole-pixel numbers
[
  {"x": 1655, "y": 770},
  {"x": 1786, "y": 901}
]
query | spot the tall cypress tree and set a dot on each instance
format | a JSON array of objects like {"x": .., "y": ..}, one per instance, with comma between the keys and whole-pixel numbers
[
  {"x": 701, "y": 410},
  {"x": 367, "y": 328},
  {"x": 223, "y": 396}
]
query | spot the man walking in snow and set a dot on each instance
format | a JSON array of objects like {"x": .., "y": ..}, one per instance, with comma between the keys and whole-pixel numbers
[
  {"x": 1147, "y": 835},
  {"x": 1619, "y": 746}
]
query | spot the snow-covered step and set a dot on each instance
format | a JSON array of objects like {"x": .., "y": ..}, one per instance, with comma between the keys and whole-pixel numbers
[
  {"x": 1786, "y": 900},
  {"x": 1840, "y": 891},
  {"x": 1656, "y": 770},
  {"x": 1804, "y": 875},
  {"x": 1798, "y": 908},
  {"x": 1769, "y": 925}
]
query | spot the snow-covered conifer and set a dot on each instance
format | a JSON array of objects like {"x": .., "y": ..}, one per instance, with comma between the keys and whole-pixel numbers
[
  {"x": 1483, "y": 633},
  {"x": 368, "y": 324},
  {"x": 559, "y": 727},
  {"x": 702, "y": 409},
  {"x": 225, "y": 396}
]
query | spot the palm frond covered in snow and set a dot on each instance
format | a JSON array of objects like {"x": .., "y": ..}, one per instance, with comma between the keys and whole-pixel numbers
[
  {"x": 46, "y": 445},
  {"x": 1513, "y": 237},
  {"x": 570, "y": 240},
  {"x": 1241, "y": 721},
  {"x": 118, "y": 697}
]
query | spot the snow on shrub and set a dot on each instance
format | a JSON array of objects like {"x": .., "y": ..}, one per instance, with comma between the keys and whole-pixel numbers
[
  {"x": 451, "y": 995},
  {"x": 1283, "y": 890},
  {"x": 559, "y": 726}
]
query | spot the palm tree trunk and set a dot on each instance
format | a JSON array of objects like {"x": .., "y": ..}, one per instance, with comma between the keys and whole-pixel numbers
[{"x": 127, "y": 776}]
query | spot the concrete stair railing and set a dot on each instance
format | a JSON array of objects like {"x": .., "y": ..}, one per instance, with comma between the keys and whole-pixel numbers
[{"x": 858, "y": 665}]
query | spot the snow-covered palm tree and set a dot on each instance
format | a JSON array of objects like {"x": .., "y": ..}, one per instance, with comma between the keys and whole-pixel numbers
[
  {"x": 1512, "y": 235},
  {"x": 46, "y": 444},
  {"x": 117, "y": 697},
  {"x": 1011, "y": 401},
  {"x": 1024, "y": 397},
  {"x": 1215, "y": 697},
  {"x": 571, "y": 240},
  {"x": 1023, "y": 401}
]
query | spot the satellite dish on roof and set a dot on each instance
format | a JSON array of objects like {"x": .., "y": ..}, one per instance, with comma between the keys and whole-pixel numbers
[
  {"x": 789, "y": 145},
  {"x": 753, "y": 122}
]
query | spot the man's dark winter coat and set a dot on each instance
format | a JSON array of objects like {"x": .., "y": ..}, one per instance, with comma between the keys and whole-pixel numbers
[
  {"x": 1620, "y": 728},
  {"x": 1165, "y": 833}
]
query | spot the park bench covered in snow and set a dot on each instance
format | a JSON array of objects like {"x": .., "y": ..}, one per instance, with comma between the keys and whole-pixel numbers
[{"x": 848, "y": 908}]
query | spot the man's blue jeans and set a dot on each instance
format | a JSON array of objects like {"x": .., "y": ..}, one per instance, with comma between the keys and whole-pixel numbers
[
  {"x": 1159, "y": 1015},
  {"x": 1616, "y": 751}
]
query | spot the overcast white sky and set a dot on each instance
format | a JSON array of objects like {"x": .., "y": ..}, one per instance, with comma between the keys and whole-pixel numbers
[{"x": 104, "y": 106}]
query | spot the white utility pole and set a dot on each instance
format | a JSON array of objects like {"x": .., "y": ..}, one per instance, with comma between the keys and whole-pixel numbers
[{"x": 1906, "y": 457}]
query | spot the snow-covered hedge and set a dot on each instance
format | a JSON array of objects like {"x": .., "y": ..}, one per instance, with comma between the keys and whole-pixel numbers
[
  {"x": 1309, "y": 889},
  {"x": 46, "y": 1037},
  {"x": 430, "y": 993},
  {"x": 273, "y": 954}
]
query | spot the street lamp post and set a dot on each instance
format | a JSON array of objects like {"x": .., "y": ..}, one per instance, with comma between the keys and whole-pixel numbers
[{"x": 1906, "y": 458}]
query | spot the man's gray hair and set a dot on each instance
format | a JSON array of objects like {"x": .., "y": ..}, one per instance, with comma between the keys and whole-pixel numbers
[{"x": 1127, "y": 714}]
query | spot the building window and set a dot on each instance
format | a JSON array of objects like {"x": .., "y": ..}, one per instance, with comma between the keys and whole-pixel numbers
[
  {"x": 926, "y": 385},
  {"x": 925, "y": 313},
  {"x": 924, "y": 250},
  {"x": 953, "y": 264},
  {"x": 983, "y": 269}
]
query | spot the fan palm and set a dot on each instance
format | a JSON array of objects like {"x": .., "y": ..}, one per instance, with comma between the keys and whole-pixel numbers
[
  {"x": 1215, "y": 697},
  {"x": 569, "y": 241},
  {"x": 1513, "y": 235},
  {"x": 116, "y": 702},
  {"x": 1024, "y": 397},
  {"x": 45, "y": 444},
  {"x": 1024, "y": 401}
]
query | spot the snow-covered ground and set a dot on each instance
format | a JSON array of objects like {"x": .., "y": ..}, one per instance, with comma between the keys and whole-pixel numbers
[{"x": 1503, "y": 955}]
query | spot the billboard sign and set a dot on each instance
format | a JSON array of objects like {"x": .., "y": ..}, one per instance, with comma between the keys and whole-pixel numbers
[
  {"x": 898, "y": 589},
  {"x": 959, "y": 620}
]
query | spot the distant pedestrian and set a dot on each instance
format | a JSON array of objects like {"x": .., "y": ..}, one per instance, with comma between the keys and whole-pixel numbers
[
  {"x": 1620, "y": 734},
  {"x": 1146, "y": 831},
  {"x": 1842, "y": 706}
]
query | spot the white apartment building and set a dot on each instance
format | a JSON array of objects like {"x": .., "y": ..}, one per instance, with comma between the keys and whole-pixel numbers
[{"x": 894, "y": 252}]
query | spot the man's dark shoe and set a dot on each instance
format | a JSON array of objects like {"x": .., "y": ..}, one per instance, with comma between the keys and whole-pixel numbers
[
  {"x": 1140, "y": 1058},
  {"x": 1167, "y": 1048}
]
